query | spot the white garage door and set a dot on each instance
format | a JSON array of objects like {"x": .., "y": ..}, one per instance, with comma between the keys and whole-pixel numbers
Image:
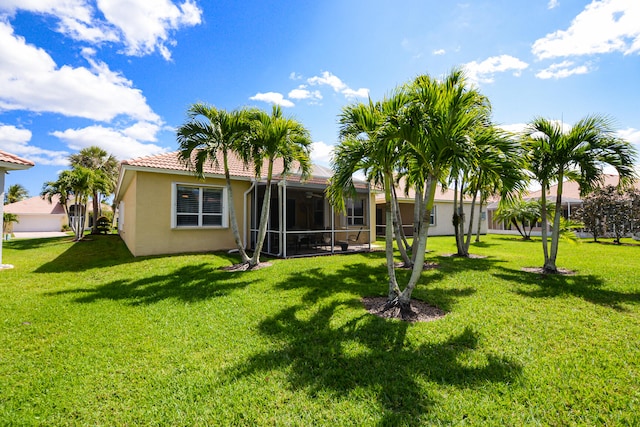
[{"x": 38, "y": 223}]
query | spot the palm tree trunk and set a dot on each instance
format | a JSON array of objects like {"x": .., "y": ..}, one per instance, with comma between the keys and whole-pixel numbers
[
  {"x": 264, "y": 216},
  {"x": 483, "y": 200},
  {"x": 394, "y": 290},
  {"x": 467, "y": 243},
  {"x": 96, "y": 208},
  {"x": 398, "y": 218},
  {"x": 550, "y": 264},
  {"x": 397, "y": 230},
  {"x": 545, "y": 222},
  {"x": 404, "y": 300},
  {"x": 244, "y": 258},
  {"x": 417, "y": 221}
]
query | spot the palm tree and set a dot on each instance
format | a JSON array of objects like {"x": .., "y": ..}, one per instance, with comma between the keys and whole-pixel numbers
[
  {"x": 15, "y": 193},
  {"x": 104, "y": 181},
  {"x": 274, "y": 137},
  {"x": 7, "y": 222},
  {"x": 497, "y": 167},
  {"x": 207, "y": 133},
  {"x": 579, "y": 154},
  {"x": 62, "y": 189},
  {"x": 422, "y": 133},
  {"x": 369, "y": 143}
]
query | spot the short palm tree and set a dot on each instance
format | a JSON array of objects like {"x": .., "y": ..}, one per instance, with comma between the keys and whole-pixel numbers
[
  {"x": 105, "y": 167},
  {"x": 15, "y": 193},
  {"x": 274, "y": 136},
  {"x": 578, "y": 154},
  {"x": 208, "y": 132}
]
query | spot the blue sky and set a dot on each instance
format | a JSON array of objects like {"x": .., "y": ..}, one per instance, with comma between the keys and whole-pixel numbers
[{"x": 121, "y": 74}]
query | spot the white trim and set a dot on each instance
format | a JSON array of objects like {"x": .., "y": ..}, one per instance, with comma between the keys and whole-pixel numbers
[{"x": 174, "y": 203}]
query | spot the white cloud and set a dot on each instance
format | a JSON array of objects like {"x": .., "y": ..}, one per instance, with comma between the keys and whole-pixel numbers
[
  {"x": 142, "y": 26},
  {"x": 272, "y": 98},
  {"x": 483, "y": 72},
  {"x": 31, "y": 80},
  {"x": 439, "y": 52},
  {"x": 514, "y": 127},
  {"x": 16, "y": 140},
  {"x": 360, "y": 93},
  {"x": 553, "y": 4},
  {"x": 562, "y": 70},
  {"x": 295, "y": 76},
  {"x": 630, "y": 134},
  {"x": 321, "y": 153},
  {"x": 122, "y": 143},
  {"x": 333, "y": 81},
  {"x": 328, "y": 79},
  {"x": 145, "y": 24},
  {"x": 302, "y": 93},
  {"x": 602, "y": 27}
]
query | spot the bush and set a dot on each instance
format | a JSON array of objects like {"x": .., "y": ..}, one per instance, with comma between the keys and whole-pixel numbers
[{"x": 103, "y": 224}]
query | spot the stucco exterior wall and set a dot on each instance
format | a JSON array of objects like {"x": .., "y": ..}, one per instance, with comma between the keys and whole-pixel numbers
[{"x": 148, "y": 229}]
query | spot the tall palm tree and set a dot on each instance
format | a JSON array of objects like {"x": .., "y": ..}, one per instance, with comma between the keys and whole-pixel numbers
[
  {"x": 497, "y": 167},
  {"x": 423, "y": 132},
  {"x": 105, "y": 167},
  {"x": 15, "y": 193},
  {"x": 436, "y": 129},
  {"x": 208, "y": 132},
  {"x": 578, "y": 154},
  {"x": 274, "y": 136},
  {"x": 369, "y": 143}
]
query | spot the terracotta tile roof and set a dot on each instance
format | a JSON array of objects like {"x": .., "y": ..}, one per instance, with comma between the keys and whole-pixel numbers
[
  {"x": 35, "y": 205},
  {"x": 171, "y": 162},
  {"x": 13, "y": 159},
  {"x": 571, "y": 189}
]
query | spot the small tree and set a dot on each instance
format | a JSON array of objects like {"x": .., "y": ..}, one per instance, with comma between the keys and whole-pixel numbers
[
  {"x": 522, "y": 214},
  {"x": 15, "y": 193},
  {"x": 8, "y": 220}
]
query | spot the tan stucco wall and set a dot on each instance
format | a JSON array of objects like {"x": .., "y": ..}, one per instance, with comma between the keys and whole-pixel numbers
[
  {"x": 127, "y": 220},
  {"x": 152, "y": 217}
]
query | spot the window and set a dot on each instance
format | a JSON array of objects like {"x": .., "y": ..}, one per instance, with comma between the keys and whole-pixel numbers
[
  {"x": 432, "y": 216},
  {"x": 199, "y": 206},
  {"x": 355, "y": 212}
]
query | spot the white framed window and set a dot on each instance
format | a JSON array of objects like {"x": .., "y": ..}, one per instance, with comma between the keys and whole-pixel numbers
[
  {"x": 356, "y": 211},
  {"x": 432, "y": 217},
  {"x": 199, "y": 206}
]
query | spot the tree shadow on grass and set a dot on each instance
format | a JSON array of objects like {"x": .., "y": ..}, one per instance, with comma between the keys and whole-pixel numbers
[
  {"x": 587, "y": 287},
  {"x": 369, "y": 357},
  {"x": 189, "y": 283},
  {"x": 27, "y": 244},
  {"x": 331, "y": 345},
  {"x": 98, "y": 251}
]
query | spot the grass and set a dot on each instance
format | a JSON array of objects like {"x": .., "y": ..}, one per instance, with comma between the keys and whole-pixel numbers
[{"x": 93, "y": 336}]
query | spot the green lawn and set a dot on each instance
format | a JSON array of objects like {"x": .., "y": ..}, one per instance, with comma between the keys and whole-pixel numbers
[{"x": 93, "y": 336}]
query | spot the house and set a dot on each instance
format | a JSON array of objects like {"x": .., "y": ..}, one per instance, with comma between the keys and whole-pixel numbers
[
  {"x": 9, "y": 162},
  {"x": 571, "y": 201},
  {"x": 441, "y": 221},
  {"x": 163, "y": 208},
  {"x": 38, "y": 214}
]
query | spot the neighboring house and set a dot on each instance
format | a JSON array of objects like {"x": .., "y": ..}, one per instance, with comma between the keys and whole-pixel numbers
[
  {"x": 571, "y": 201},
  {"x": 38, "y": 214},
  {"x": 441, "y": 214},
  {"x": 9, "y": 162},
  {"x": 163, "y": 208}
]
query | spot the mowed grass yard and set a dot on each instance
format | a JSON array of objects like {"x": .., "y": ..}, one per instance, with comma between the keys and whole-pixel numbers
[{"x": 93, "y": 336}]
